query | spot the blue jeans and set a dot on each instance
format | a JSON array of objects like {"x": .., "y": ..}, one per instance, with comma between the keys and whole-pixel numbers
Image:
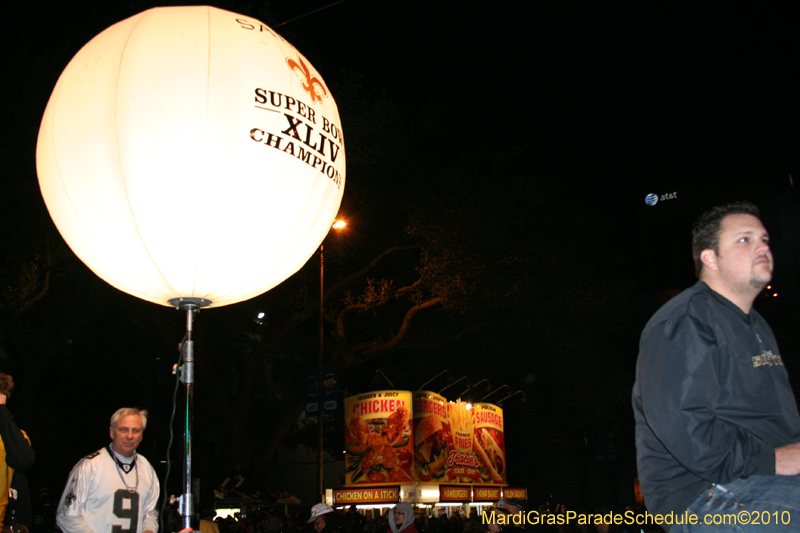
[{"x": 759, "y": 503}]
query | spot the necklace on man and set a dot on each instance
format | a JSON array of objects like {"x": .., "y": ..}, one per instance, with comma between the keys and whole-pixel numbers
[{"x": 119, "y": 470}]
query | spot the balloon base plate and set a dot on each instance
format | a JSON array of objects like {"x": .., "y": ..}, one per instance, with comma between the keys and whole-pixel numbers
[{"x": 184, "y": 303}]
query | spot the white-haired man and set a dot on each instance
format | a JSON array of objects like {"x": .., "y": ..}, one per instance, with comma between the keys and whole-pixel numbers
[{"x": 113, "y": 490}]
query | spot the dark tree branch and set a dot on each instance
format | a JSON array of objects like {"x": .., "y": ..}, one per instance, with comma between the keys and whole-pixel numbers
[
  {"x": 355, "y": 275},
  {"x": 340, "y": 334},
  {"x": 39, "y": 296},
  {"x": 363, "y": 351},
  {"x": 313, "y": 309}
]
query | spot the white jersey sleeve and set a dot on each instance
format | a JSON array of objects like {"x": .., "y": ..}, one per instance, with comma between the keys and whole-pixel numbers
[{"x": 97, "y": 498}]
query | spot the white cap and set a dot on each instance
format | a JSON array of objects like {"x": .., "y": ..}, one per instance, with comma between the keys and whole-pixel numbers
[{"x": 319, "y": 510}]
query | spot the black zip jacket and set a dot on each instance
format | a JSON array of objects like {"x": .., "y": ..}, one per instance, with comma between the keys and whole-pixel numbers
[{"x": 712, "y": 399}]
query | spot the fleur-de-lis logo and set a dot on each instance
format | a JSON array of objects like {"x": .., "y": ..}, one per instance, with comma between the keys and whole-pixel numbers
[{"x": 311, "y": 84}]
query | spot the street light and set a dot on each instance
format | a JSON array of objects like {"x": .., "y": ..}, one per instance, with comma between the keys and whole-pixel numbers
[
  {"x": 445, "y": 371},
  {"x": 500, "y": 402},
  {"x": 488, "y": 386},
  {"x": 453, "y": 383},
  {"x": 379, "y": 371},
  {"x": 337, "y": 225},
  {"x": 497, "y": 390}
]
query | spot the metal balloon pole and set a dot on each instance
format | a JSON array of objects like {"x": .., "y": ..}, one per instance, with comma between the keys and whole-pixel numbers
[
  {"x": 191, "y": 305},
  {"x": 320, "y": 386}
]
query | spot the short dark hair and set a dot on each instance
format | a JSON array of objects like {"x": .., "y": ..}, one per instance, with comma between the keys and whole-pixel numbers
[
  {"x": 6, "y": 384},
  {"x": 705, "y": 232}
]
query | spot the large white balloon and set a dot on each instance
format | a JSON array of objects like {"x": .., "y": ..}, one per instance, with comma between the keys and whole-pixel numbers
[{"x": 191, "y": 152}]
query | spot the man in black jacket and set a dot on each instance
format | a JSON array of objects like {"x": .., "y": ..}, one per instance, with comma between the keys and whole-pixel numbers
[{"x": 717, "y": 426}]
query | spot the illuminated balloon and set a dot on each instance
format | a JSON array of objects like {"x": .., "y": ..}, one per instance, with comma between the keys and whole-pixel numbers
[{"x": 191, "y": 152}]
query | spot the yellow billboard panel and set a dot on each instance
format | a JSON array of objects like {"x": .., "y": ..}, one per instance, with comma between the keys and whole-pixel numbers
[
  {"x": 400, "y": 437},
  {"x": 489, "y": 442},
  {"x": 433, "y": 440},
  {"x": 378, "y": 441}
]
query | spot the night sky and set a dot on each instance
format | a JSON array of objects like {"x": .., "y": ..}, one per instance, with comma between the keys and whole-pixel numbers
[{"x": 696, "y": 102}]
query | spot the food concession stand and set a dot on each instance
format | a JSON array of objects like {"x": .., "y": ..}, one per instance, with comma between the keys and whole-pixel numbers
[{"x": 420, "y": 448}]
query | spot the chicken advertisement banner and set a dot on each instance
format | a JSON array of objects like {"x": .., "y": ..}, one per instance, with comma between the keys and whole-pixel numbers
[
  {"x": 400, "y": 437},
  {"x": 378, "y": 442}
]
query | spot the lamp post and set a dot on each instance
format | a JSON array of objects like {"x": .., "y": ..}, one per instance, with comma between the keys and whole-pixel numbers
[{"x": 337, "y": 225}]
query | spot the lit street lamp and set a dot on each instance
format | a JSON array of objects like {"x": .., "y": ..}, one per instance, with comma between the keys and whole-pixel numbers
[{"x": 337, "y": 225}]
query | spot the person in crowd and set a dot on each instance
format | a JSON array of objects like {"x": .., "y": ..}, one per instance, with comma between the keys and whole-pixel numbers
[
  {"x": 206, "y": 525},
  {"x": 325, "y": 519},
  {"x": 354, "y": 519},
  {"x": 171, "y": 520},
  {"x": 474, "y": 524},
  {"x": 562, "y": 524},
  {"x": 233, "y": 483},
  {"x": 292, "y": 524},
  {"x": 44, "y": 511},
  {"x": 514, "y": 507},
  {"x": 15, "y": 448},
  {"x": 113, "y": 489},
  {"x": 401, "y": 518},
  {"x": 500, "y": 519},
  {"x": 717, "y": 425},
  {"x": 456, "y": 523}
]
